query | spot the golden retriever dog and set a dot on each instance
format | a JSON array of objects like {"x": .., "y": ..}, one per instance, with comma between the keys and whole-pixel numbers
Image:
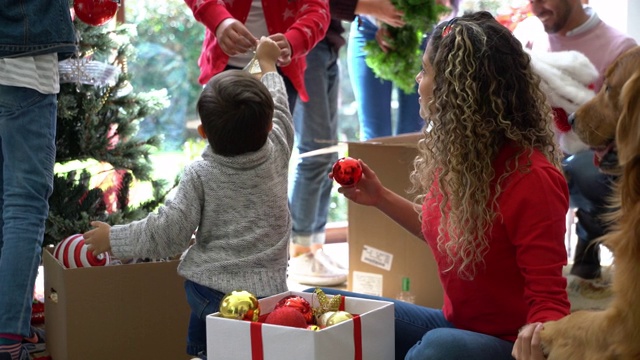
[
  {"x": 610, "y": 124},
  {"x": 595, "y": 121}
]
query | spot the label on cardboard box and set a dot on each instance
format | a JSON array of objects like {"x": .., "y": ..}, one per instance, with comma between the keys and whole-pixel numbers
[
  {"x": 367, "y": 283},
  {"x": 376, "y": 257}
]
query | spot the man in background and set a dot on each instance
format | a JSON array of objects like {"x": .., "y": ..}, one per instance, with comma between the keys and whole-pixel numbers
[{"x": 561, "y": 25}]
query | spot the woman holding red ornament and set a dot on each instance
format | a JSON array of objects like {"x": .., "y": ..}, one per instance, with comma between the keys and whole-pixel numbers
[{"x": 491, "y": 199}]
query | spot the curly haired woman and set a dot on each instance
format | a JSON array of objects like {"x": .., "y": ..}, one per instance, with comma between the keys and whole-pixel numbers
[{"x": 493, "y": 202}]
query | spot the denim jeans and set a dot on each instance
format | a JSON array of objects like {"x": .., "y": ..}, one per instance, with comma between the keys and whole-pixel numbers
[
  {"x": 202, "y": 301},
  {"x": 423, "y": 333},
  {"x": 589, "y": 192},
  {"x": 316, "y": 125},
  {"x": 373, "y": 95},
  {"x": 27, "y": 149}
]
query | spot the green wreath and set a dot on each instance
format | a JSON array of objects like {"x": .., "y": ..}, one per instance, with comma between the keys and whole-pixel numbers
[{"x": 401, "y": 65}]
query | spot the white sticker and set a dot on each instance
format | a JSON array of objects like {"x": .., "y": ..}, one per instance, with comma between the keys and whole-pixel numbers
[
  {"x": 367, "y": 283},
  {"x": 376, "y": 257}
]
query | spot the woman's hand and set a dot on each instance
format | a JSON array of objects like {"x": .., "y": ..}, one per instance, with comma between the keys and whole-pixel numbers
[
  {"x": 528, "y": 346},
  {"x": 234, "y": 38},
  {"x": 285, "y": 48},
  {"x": 97, "y": 239},
  {"x": 367, "y": 191}
]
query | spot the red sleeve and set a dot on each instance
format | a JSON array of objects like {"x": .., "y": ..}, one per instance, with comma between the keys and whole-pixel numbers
[
  {"x": 535, "y": 220},
  {"x": 209, "y": 12},
  {"x": 310, "y": 26}
]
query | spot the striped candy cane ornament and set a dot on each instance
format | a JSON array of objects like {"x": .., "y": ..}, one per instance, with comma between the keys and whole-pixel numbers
[{"x": 72, "y": 253}]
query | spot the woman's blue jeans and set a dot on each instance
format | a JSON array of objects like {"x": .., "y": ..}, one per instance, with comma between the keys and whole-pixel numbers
[
  {"x": 27, "y": 157},
  {"x": 373, "y": 95},
  {"x": 316, "y": 125},
  {"x": 423, "y": 333}
]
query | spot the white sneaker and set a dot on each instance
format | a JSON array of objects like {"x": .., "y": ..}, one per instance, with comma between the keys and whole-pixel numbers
[
  {"x": 310, "y": 270},
  {"x": 327, "y": 261}
]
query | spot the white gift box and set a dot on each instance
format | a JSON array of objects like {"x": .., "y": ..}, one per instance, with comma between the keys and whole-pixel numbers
[{"x": 369, "y": 335}]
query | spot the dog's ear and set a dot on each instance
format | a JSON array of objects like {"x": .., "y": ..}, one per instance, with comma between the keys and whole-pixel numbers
[{"x": 628, "y": 130}]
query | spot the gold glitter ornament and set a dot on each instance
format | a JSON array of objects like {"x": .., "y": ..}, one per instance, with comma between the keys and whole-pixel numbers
[
  {"x": 241, "y": 305},
  {"x": 326, "y": 303}
]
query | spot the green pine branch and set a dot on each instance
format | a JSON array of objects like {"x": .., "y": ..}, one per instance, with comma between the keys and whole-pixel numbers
[{"x": 401, "y": 64}]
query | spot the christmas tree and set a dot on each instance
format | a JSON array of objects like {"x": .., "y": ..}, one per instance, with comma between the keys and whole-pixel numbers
[{"x": 99, "y": 155}]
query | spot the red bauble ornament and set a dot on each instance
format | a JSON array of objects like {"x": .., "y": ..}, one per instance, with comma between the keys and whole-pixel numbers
[
  {"x": 286, "y": 316},
  {"x": 298, "y": 303},
  {"x": 347, "y": 171},
  {"x": 72, "y": 253},
  {"x": 95, "y": 12}
]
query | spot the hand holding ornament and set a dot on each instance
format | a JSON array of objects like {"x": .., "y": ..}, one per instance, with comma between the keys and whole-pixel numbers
[{"x": 97, "y": 239}]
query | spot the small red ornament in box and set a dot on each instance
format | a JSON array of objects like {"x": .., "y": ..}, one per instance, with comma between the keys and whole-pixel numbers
[{"x": 286, "y": 316}]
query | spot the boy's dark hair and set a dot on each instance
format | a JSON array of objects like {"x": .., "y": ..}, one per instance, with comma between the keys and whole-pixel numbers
[{"x": 236, "y": 111}]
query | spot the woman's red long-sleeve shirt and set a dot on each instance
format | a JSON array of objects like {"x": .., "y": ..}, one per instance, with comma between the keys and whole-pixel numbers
[{"x": 521, "y": 279}]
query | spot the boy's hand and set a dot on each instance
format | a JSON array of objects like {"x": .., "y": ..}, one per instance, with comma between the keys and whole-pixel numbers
[
  {"x": 285, "y": 49},
  {"x": 267, "y": 54},
  {"x": 234, "y": 38},
  {"x": 97, "y": 239}
]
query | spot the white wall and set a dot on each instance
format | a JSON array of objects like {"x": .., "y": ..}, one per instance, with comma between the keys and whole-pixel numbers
[{"x": 621, "y": 14}]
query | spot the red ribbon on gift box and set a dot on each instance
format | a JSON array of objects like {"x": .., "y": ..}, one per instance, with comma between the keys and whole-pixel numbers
[
  {"x": 256, "y": 341},
  {"x": 257, "y": 351}
]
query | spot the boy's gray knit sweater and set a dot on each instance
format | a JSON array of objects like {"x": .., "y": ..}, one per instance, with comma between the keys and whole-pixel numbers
[{"x": 239, "y": 207}]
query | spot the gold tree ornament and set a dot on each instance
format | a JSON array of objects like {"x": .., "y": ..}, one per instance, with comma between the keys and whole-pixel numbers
[
  {"x": 253, "y": 67},
  {"x": 326, "y": 304}
]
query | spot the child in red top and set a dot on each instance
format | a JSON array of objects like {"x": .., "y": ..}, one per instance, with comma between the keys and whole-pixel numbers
[{"x": 492, "y": 201}]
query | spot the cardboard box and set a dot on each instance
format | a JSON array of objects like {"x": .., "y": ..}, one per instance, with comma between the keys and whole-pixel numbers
[
  {"x": 121, "y": 312},
  {"x": 370, "y": 336},
  {"x": 381, "y": 252}
]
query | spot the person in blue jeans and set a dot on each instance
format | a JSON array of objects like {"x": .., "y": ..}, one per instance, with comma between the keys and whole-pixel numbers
[
  {"x": 316, "y": 126},
  {"x": 412, "y": 322},
  {"x": 373, "y": 95},
  {"x": 34, "y": 35}
]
